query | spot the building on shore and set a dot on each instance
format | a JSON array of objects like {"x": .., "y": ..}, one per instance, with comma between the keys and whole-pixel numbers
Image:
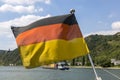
[{"x": 115, "y": 62}]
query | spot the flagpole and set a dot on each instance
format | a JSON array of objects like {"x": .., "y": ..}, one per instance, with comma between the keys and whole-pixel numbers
[
  {"x": 93, "y": 67},
  {"x": 72, "y": 11}
]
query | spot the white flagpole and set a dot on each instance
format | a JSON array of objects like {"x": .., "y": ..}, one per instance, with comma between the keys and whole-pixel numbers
[
  {"x": 72, "y": 11},
  {"x": 97, "y": 78}
]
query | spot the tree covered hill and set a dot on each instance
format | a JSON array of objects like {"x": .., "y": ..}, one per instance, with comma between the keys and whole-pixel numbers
[
  {"x": 103, "y": 48},
  {"x": 10, "y": 57}
]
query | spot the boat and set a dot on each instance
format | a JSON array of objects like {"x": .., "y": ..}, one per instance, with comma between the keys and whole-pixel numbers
[
  {"x": 62, "y": 66},
  {"x": 50, "y": 66},
  {"x": 57, "y": 66}
]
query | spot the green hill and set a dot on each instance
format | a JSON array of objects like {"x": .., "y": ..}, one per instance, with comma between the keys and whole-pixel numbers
[
  {"x": 103, "y": 48},
  {"x": 10, "y": 57}
]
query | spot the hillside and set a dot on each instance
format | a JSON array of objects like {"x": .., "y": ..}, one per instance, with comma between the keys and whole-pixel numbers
[
  {"x": 10, "y": 57},
  {"x": 103, "y": 48}
]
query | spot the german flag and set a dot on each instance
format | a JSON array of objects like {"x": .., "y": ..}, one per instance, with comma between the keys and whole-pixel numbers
[{"x": 50, "y": 40}]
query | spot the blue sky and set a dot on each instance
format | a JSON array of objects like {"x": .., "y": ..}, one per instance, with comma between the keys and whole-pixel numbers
[{"x": 93, "y": 16}]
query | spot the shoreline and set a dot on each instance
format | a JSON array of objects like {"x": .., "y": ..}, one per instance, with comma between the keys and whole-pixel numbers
[{"x": 97, "y": 67}]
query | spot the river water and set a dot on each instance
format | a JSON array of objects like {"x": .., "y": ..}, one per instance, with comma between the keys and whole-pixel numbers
[{"x": 20, "y": 73}]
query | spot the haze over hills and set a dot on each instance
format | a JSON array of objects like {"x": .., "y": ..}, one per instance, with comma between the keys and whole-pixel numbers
[{"x": 103, "y": 48}]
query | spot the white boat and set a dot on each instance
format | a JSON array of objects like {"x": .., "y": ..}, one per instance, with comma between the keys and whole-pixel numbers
[
  {"x": 58, "y": 66},
  {"x": 62, "y": 66}
]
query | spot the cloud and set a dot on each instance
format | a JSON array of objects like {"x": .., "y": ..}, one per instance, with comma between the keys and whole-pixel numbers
[
  {"x": 27, "y": 2},
  {"x": 6, "y": 36},
  {"x": 116, "y": 25},
  {"x": 22, "y": 6},
  {"x": 19, "y": 9},
  {"x": 115, "y": 28},
  {"x": 47, "y": 1},
  {"x": 25, "y": 20},
  {"x": 22, "y": 21},
  {"x": 108, "y": 32}
]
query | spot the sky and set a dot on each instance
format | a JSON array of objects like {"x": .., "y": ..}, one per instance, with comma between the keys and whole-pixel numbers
[{"x": 93, "y": 16}]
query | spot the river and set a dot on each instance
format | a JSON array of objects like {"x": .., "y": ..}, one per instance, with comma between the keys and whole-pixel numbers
[{"x": 20, "y": 73}]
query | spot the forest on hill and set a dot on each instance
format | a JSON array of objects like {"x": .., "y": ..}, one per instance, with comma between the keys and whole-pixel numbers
[{"x": 102, "y": 48}]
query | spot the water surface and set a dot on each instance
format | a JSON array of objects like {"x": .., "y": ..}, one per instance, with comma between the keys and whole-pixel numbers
[{"x": 20, "y": 73}]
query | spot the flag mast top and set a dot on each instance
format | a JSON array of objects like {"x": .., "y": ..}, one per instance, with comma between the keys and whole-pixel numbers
[{"x": 72, "y": 11}]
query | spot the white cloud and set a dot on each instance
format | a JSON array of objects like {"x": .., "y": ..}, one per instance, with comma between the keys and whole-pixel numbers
[
  {"x": 19, "y": 9},
  {"x": 27, "y": 2},
  {"x": 25, "y": 20},
  {"x": 115, "y": 28},
  {"x": 22, "y": 21},
  {"x": 116, "y": 25},
  {"x": 47, "y": 1},
  {"x": 109, "y": 32},
  {"x": 6, "y": 33}
]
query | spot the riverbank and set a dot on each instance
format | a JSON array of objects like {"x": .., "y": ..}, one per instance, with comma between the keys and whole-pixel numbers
[{"x": 95, "y": 67}]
